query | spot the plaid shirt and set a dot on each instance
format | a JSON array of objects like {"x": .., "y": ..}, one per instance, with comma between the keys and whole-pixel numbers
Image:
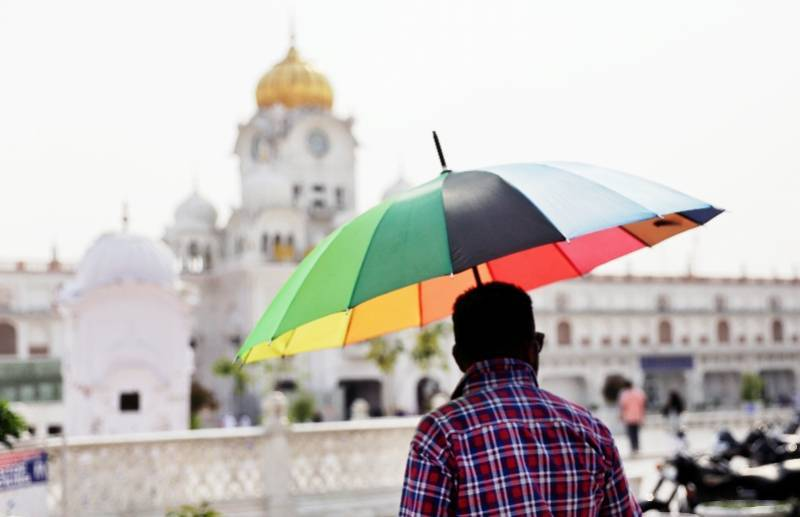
[{"x": 507, "y": 447}]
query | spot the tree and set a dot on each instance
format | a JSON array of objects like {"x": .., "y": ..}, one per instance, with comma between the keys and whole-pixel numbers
[
  {"x": 427, "y": 347},
  {"x": 200, "y": 398},
  {"x": 241, "y": 379},
  {"x": 612, "y": 387},
  {"x": 11, "y": 424},
  {"x": 752, "y": 387},
  {"x": 302, "y": 407},
  {"x": 384, "y": 353}
]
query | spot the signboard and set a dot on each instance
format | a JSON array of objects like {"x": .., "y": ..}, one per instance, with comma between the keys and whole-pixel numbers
[
  {"x": 23, "y": 483},
  {"x": 666, "y": 362}
]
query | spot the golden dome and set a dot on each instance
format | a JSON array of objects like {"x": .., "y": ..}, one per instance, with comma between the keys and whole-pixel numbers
[{"x": 294, "y": 83}]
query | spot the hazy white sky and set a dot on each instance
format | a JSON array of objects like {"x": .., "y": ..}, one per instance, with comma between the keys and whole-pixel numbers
[{"x": 105, "y": 101}]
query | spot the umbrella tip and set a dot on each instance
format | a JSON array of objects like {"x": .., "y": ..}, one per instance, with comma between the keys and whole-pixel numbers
[{"x": 440, "y": 153}]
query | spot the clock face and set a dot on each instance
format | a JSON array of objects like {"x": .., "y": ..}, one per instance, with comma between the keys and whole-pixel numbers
[{"x": 318, "y": 143}]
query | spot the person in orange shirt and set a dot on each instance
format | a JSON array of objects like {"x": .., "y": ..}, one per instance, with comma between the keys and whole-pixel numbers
[{"x": 632, "y": 402}]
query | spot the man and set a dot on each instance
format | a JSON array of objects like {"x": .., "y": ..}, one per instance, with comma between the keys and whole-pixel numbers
[
  {"x": 632, "y": 403},
  {"x": 503, "y": 446}
]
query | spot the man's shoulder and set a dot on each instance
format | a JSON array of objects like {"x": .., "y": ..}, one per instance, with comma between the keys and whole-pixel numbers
[{"x": 571, "y": 412}]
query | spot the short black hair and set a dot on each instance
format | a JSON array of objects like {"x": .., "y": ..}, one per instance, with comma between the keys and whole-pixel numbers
[{"x": 493, "y": 320}]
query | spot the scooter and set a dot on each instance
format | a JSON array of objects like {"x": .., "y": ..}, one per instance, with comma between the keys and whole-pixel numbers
[{"x": 705, "y": 479}]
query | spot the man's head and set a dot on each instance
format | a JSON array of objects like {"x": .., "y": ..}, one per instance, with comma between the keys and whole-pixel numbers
[{"x": 492, "y": 321}]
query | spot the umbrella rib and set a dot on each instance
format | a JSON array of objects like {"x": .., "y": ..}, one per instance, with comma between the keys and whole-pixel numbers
[{"x": 569, "y": 260}]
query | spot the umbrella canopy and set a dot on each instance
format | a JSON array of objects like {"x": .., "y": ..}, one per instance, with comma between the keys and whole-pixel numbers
[{"x": 403, "y": 262}]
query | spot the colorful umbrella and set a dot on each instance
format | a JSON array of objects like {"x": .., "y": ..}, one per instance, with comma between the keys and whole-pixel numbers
[{"x": 403, "y": 263}]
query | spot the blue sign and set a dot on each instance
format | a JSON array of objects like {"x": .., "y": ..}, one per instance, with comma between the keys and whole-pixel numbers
[
  {"x": 666, "y": 362},
  {"x": 21, "y": 469}
]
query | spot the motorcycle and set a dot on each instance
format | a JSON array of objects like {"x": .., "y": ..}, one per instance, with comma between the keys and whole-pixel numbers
[
  {"x": 705, "y": 479},
  {"x": 761, "y": 446}
]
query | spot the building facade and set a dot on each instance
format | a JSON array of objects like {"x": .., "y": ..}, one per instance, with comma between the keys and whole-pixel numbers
[{"x": 296, "y": 157}]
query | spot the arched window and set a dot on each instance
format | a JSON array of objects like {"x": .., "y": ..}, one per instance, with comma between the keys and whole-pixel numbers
[
  {"x": 8, "y": 339},
  {"x": 664, "y": 332},
  {"x": 777, "y": 331},
  {"x": 564, "y": 333},
  {"x": 723, "y": 332},
  {"x": 194, "y": 250}
]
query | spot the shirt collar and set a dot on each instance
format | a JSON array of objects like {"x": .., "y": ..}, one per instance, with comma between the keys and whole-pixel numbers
[{"x": 497, "y": 372}]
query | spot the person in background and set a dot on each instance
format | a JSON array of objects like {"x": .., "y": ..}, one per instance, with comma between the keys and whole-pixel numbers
[
  {"x": 672, "y": 411},
  {"x": 503, "y": 445},
  {"x": 632, "y": 402}
]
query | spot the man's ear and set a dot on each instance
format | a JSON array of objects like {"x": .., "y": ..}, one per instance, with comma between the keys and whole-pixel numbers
[{"x": 460, "y": 359}]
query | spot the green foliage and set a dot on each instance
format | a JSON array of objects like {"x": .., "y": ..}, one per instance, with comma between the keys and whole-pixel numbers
[
  {"x": 187, "y": 510},
  {"x": 384, "y": 353},
  {"x": 428, "y": 347},
  {"x": 226, "y": 368},
  {"x": 752, "y": 387},
  {"x": 302, "y": 407},
  {"x": 11, "y": 424},
  {"x": 612, "y": 387}
]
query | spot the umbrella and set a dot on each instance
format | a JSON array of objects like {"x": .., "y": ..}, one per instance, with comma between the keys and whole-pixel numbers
[{"x": 402, "y": 263}]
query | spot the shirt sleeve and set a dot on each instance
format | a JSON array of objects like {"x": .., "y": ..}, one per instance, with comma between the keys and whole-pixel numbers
[
  {"x": 619, "y": 501},
  {"x": 428, "y": 482}
]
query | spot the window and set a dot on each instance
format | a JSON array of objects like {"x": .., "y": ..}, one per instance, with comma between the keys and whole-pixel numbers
[
  {"x": 644, "y": 340},
  {"x": 129, "y": 401},
  {"x": 8, "y": 339},
  {"x": 264, "y": 243},
  {"x": 662, "y": 303},
  {"x": 561, "y": 302},
  {"x": 236, "y": 340},
  {"x": 194, "y": 250},
  {"x": 774, "y": 304},
  {"x": 564, "y": 333},
  {"x": 665, "y": 332},
  {"x": 777, "y": 331},
  {"x": 39, "y": 350},
  {"x": 193, "y": 343},
  {"x": 723, "y": 332},
  {"x": 340, "y": 197},
  {"x": 720, "y": 303},
  {"x": 318, "y": 188},
  {"x": 625, "y": 340},
  {"x": 297, "y": 190},
  {"x": 54, "y": 430},
  {"x": 606, "y": 340},
  {"x": 760, "y": 338}
]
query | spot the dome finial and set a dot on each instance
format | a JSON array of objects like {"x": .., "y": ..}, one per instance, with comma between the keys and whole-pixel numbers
[
  {"x": 292, "y": 29},
  {"x": 125, "y": 216}
]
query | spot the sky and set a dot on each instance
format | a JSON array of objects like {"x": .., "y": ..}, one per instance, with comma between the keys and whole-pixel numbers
[{"x": 106, "y": 102}]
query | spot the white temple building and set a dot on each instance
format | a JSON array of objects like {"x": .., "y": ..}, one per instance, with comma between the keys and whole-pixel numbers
[{"x": 137, "y": 319}]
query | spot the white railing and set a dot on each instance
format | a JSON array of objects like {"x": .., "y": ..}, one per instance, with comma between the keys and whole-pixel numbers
[{"x": 340, "y": 468}]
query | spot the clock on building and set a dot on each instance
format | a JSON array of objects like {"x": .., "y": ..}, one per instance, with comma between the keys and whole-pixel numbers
[{"x": 318, "y": 143}]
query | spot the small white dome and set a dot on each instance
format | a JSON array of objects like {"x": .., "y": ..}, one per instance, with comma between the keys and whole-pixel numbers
[
  {"x": 196, "y": 212},
  {"x": 121, "y": 257},
  {"x": 399, "y": 186},
  {"x": 266, "y": 189}
]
